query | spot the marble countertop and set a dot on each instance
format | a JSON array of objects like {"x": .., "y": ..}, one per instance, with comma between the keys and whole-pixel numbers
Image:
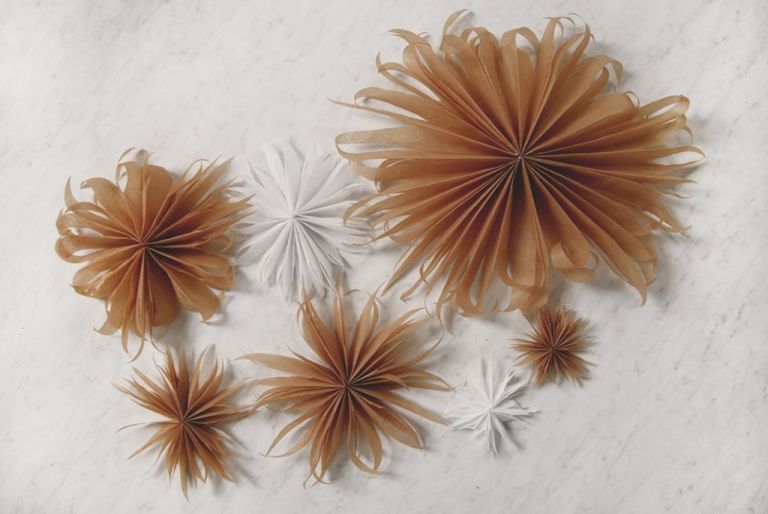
[{"x": 674, "y": 417}]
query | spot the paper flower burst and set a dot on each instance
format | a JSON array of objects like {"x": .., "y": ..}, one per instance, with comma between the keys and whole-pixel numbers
[
  {"x": 512, "y": 156},
  {"x": 300, "y": 238},
  {"x": 151, "y": 243},
  {"x": 348, "y": 395},
  {"x": 488, "y": 404},
  {"x": 194, "y": 411},
  {"x": 552, "y": 349}
]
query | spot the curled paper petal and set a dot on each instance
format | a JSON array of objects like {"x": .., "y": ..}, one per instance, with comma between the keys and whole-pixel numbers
[
  {"x": 347, "y": 396},
  {"x": 512, "y": 156},
  {"x": 151, "y": 243},
  {"x": 488, "y": 404},
  {"x": 194, "y": 406},
  {"x": 299, "y": 238}
]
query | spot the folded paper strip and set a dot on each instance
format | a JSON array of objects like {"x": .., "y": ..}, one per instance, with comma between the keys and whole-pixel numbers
[
  {"x": 513, "y": 155},
  {"x": 151, "y": 243},
  {"x": 348, "y": 395}
]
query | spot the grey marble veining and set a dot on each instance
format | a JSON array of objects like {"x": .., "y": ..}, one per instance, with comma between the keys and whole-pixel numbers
[{"x": 674, "y": 418}]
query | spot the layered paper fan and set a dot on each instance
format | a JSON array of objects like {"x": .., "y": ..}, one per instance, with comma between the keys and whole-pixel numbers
[
  {"x": 348, "y": 395},
  {"x": 194, "y": 408},
  {"x": 151, "y": 243},
  {"x": 299, "y": 238},
  {"x": 488, "y": 404},
  {"x": 513, "y": 156}
]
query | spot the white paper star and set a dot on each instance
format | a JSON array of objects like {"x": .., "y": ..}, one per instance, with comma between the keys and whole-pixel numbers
[
  {"x": 298, "y": 237},
  {"x": 487, "y": 404}
]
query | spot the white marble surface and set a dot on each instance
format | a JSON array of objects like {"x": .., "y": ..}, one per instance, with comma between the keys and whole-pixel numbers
[{"x": 675, "y": 416}]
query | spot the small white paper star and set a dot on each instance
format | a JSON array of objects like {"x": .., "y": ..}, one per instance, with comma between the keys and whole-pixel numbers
[
  {"x": 298, "y": 236},
  {"x": 487, "y": 404}
]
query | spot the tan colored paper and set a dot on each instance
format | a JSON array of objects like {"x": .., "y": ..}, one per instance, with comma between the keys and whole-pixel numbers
[
  {"x": 151, "y": 243},
  {"x": 552, "y": 348},
  {"x": 513, "y": 155},
  {"x": 194, "y": 412},
  {"x": 348, "y": 394}
]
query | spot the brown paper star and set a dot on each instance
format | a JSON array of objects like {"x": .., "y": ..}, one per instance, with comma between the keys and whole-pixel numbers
[
  {"x": 349, "y": 394},
  {"x": 194, "y": 411},
  {"x": 552, "y": 349},
  {"x": 151, "y": 243},
  {"x": 512, "y": 155}
]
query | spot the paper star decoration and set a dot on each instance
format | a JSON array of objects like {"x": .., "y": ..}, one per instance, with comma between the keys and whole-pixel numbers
[
  {"x": 505, "y": 158},
  {"x": 194, "y": 406},
  {"x": 299, "y": 238},
  {"x": 152, "y": 242},
  {"x": 346, "y": 398},
  {"x": 488, "y": 405},
  {"x": 553, "y": 346}
]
